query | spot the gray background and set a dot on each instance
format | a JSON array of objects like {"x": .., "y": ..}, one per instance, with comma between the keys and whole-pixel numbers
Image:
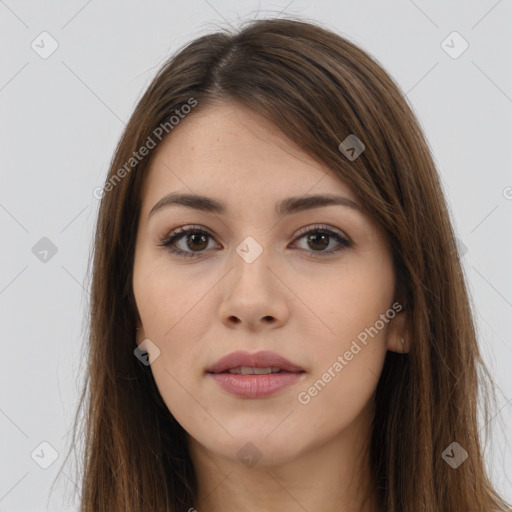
[{"x": 61, "y": 118}]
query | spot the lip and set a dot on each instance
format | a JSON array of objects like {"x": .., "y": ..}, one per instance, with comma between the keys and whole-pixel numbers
[
  {"x": 262, "y": 359},
  {"x": 255, "y": 386}
]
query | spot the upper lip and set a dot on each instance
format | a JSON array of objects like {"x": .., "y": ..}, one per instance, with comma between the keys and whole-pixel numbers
[{"x": 262, "y": 359}]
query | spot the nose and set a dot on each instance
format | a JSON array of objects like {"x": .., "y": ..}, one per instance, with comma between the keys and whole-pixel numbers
[{"x": 254, "y": 296}]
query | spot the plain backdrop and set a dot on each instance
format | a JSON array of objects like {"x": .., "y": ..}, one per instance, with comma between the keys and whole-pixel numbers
[{"x": 61, "y": 116}]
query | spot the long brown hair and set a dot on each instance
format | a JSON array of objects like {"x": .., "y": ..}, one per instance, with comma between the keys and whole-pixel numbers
[{"x": 318, "y": 88}]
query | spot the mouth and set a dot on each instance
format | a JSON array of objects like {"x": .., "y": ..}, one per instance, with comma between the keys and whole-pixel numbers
[
  {"x": 259, "y": 363},
  {"x": 247, "y": 370},
  {"x": 257, "y": 375}
]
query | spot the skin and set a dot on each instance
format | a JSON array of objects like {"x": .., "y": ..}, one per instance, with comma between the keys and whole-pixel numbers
[{"x": 307, "y": 308}]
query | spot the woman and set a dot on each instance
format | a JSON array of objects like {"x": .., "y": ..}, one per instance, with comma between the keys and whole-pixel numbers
[{"x": 279, "y": 320}]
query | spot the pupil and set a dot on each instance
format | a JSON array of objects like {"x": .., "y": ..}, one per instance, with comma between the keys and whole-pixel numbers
[
  {"x": 191, "y": 237},
  {"x": 324, "y": 239}
]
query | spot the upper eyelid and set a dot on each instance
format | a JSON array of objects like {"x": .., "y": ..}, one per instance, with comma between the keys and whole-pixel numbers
[
  {"x": 321, "y": 227},
  {"x": 181, "y": 231}
]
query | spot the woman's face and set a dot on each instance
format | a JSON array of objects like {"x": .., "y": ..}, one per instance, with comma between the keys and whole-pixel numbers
[{"x": 267, "y": 272}]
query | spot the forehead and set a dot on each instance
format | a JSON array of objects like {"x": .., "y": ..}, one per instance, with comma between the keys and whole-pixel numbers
[{"x": 228, "y": 150}]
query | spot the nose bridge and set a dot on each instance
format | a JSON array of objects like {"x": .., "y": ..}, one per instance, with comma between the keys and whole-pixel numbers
[
  {"x": 251, "y": 261},
  {"x": 253, "y": 297}
]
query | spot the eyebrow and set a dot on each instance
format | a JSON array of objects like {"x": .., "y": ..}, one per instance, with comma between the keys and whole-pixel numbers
[{"x": 287, "y": 206}]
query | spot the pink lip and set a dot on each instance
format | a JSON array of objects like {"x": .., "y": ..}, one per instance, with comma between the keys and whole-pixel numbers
[
  {"x": 255, "y": 386},
  {"x": 257, "y": 360}
]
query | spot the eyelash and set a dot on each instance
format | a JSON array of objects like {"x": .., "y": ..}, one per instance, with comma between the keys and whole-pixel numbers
[{"x": 180, "y": 232}]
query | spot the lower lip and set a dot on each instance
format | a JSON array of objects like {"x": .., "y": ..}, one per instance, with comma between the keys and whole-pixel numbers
[{"x": 255, "y": 386}]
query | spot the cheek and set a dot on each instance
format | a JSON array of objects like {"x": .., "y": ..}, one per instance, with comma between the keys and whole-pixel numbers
[
  {"x": 346, "y": 303},
  {"x": 175, "y": 314},
  {"x": 348, "y": 361},
  {"x": 346, "y": 378},
  {"x": 171, "y": 301}
]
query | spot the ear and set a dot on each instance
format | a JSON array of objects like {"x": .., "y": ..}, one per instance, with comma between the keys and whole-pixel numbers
[{"x": 398, "y": 335}]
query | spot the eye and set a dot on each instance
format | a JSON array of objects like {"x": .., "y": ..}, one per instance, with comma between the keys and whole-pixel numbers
[
  {"x": 194, "y": 240},
  {"x": 192, "y": 237},
  {"x": 320, "y": 237}
]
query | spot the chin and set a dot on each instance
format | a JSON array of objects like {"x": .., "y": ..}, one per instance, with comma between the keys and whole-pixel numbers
[{"x": 254, "y": 447}]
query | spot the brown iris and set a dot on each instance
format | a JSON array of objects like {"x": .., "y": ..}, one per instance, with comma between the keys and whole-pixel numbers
[
  {"x": 321, "y": 238},
  {"x": 201, "y": 239}
]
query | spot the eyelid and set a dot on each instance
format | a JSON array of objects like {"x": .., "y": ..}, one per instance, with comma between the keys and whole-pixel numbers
[
  {"x": 178, "y": 233},
  {"x": 306, "y": 229},
  {"x": 321, "y": 227}
]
